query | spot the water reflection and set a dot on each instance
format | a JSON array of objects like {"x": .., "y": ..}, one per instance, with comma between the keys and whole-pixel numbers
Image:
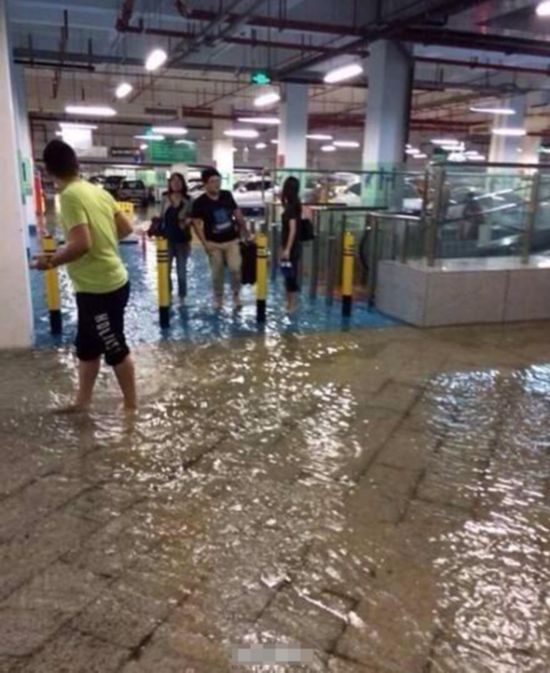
[{"x": 265, "y": 483}]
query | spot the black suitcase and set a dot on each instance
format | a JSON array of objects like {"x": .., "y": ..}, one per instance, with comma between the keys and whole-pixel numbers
[{"x": 248, "y": 269}]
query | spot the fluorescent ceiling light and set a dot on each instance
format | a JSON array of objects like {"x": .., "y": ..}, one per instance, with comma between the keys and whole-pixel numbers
[
  {"x": 344, "y": 73},
  {"x": 261, "y": 146},
  {"x": 123, "y": 90},
  {"x": 241, "y": 133},
  {"x": 328, "y": 148},
  {"x": 169, "y": 130},
  {"x": 449, "y": 142},
  {"x": 155, "y": 59},
  {"x": 60, "y": 134},
  {"x": 91, "y": 110},
  {"x": 346, "y": 143},
  {"x": 543, "y": 8},
  {"x": 274, "y": 141},
  {"x": 420, "y": 156},
  {"x": 143, "y": 146},
  {"x": 266, "y": 99},
  {"x": 319, "y": 136},
  {"x": 413, "y": 151},
  {"x": 151, "y": 136},
  {"x": 266, "y": 121},
  {"x": 75, "y": 125},
  {"x": 510, "y": 132},
  {"x": 493, "y": 110},
  {"x": 184, "y": 142}
]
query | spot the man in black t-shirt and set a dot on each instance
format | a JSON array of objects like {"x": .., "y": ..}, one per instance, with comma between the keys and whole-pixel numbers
[{"x": 219, "y": 224}]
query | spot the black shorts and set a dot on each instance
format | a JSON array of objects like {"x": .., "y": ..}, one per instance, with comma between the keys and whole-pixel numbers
[{"x": 101, "y": 326}]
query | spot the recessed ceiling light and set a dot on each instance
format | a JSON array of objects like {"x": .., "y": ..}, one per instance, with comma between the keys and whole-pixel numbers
[
  {"x": 274, "y": 141},
  {"x": 266, "y": 121},
  {"x": 143, "y": 146},
  {"x": 266, "y": 99},
  {"x": 241, "y": 133},
  {"x": 123, "y": 90},
  {"x": 510, "y": 132},
  {"x": 328, "y": 148},
  {"x": 543, "y": 8},
  {"x": 260, "y": 146},
  {"x": 155, "y": 59},
  {"x": 344, "y": 73},
  {"x": 91, "y": 110},
  {"x": 169, "y": 130}
]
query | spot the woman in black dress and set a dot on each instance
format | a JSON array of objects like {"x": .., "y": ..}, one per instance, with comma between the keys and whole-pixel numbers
[{"x": 291, "y": 246}]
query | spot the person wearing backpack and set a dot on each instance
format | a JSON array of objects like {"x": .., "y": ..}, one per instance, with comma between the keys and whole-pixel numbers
[
  {"x": 291, "y": 241},
  {"x": 175, "y": 225}
]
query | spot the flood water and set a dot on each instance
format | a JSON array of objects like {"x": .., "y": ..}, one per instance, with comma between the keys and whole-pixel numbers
[{"x": 378, "y": 497}]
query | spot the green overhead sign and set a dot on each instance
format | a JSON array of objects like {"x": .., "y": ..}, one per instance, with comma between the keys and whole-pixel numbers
[
  {"x": 260, "y": 77},
  {"x": 172, "y": 152}
]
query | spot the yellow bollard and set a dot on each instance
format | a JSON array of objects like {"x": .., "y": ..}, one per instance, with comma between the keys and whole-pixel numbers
[
  {"x": 163, "y": 282},
  {"x": 53, "y": 298},
  {"x": 261, "y": 277},
  {"x": 127, "y": 207},
  {"x": 347, "y": 273}
]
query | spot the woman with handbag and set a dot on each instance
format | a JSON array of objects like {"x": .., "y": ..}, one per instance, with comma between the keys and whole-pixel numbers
[
  {"x": 291, "y": 241},
  {"x": 175, "y": 225}
]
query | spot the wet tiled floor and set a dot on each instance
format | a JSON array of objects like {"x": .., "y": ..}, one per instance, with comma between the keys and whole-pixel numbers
[{"x": 379, "y": 497}]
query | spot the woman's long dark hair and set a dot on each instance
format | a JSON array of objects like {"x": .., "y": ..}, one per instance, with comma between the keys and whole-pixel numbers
[
  {"x": 184, "y": 191},
  {"x": 291, "y": 193}
]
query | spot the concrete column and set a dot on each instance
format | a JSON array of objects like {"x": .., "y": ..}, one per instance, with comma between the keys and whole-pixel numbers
[
  {"x": 390, "y": 77},
  {"x": 292, "y": 148},
  {"x": 505, "y": 149},
  {"x": 222, "y": 150},
  {"x": 390, "y": 71},
  {"x": 24, "y": 146},
  {"x": 16, "y": 327}
]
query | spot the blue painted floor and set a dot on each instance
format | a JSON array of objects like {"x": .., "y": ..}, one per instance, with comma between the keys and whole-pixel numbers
[{"x": 197, "y": 322}]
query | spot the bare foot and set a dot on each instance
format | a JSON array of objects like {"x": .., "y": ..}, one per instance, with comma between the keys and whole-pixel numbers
[{"x": 74, "y": 408}]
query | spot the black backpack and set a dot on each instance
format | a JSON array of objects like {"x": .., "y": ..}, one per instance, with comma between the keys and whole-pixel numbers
[{"x": 248, "y": 268}]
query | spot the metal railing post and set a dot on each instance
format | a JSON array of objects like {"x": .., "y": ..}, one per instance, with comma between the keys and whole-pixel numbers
[
  {"x": 315, "y": 254},
  {"x": 531, "y": 218},
  {"x": 435, "y": 217},
  {"x": 373, "y": 260}
]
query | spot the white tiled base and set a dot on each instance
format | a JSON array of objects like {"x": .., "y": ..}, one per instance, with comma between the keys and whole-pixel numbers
[{"x": 465, "y": 291}]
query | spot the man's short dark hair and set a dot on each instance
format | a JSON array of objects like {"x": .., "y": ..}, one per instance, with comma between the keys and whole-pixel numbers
[
  {"x": 209, "y": 173},
  {"x": 61, "y": 160}
]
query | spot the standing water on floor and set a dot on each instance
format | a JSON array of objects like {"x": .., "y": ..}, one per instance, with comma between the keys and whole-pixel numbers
[
  {"x": 378, "y": 498},
  {"x": 197, "y": 321}
]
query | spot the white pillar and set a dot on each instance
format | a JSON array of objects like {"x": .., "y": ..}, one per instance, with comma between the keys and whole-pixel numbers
[
  {"x": 530, "y": 150},
  {"x": 222, "y": 150},
  {"x": 504, "y": 149},
  {"x": 389, "y": 68},
  {"x": 24, "y": 145},
  {"x": 292, "y": 147},
  {"x": 16, "y": 327}
]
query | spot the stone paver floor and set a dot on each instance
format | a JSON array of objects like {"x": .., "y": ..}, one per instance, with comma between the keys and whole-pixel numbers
[{"x": 380, "y": 498}]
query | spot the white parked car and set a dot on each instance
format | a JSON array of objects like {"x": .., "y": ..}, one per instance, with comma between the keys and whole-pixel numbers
[{"x": 251, "y": 197}]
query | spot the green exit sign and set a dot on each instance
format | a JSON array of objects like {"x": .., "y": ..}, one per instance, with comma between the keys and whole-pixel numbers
[{"x": 260, "y": 77}]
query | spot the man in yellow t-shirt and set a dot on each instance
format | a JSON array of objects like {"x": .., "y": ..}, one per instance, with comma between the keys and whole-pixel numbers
[{"x": 93, "y": 225}]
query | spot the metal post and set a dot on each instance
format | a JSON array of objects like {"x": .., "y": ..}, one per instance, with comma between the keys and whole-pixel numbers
[
  {"x": 531, "y": 218},
  {"x": 435, "y": 218},
  {"x": 330, "y": 260},
  {"x": 373, "y": 260},
  {"x": 315, "y": 253}
]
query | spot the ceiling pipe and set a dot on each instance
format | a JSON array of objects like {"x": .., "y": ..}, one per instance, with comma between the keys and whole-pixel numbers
[
  {"x": 480, "y": 65},
  {"x": 237, "y": 40}
]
